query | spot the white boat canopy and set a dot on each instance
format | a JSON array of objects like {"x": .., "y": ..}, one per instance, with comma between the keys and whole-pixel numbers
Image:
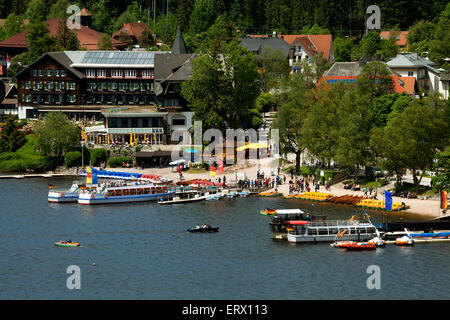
[{"x": 289, "y": 211}]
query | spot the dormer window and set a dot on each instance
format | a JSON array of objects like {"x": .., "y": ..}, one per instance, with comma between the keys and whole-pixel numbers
[
  {"x": 116, "y": 73},
  {"x": 130, "y": 73},
  {"x": 101, "y": 73}
]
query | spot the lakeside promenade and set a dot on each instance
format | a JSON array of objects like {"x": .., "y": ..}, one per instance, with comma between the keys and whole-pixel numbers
[{"x": 422, "y": 208}]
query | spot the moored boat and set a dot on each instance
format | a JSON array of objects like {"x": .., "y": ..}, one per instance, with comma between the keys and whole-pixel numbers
[
  {"x": 331, "y": 230},
  {"x": 71, "y": 195},
  {"x": 406, "y": 240},
  {"x": 125, "y": 193},
  {"x": 358, "y": 246}
]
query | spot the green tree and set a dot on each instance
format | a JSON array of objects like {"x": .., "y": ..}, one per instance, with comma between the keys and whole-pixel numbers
[
  {"x": 13, "y": 25},
  {"x": 296, "y": 98},
  {"x": 370, "y": 43},
  {"x": 388, "y": 47},
  {"x": 11, "y": 139},
  {"x": 223, "y": 87},
  {"x": 59, "y": 9},
  {"x": 65, "y": 39},
  {"x": 274, "y": 67},
  {"x": 420, "y": 36},
  {"x": 343, "y": 49},
  {"x": 36, "y": 11},
  {"x": 39, "y": 41},
  {"x": 105, "y": 42},
  {"x": 203, "y": 16},
  {"x": 376, "y": 79},
  {"x": 57, "y": 135}
]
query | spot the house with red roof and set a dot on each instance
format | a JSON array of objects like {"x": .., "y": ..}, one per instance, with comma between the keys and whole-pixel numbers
[
  {"x": 87, "y": 37},
  {"x": 350, "y": 72},
  {"x": 402, "y": 38},
  {"x": 307, "y": 46},
  {"x": 134, "y": 30}
]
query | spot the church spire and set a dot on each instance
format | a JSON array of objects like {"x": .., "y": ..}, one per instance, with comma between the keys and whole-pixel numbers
[{"x": 178, "y": 44}]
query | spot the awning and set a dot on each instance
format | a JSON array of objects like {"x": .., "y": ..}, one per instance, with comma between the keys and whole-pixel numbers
[
  {"x": 259, "y": 145},
  {"x": 135, "y": 130},
  {"x": 177, "y": 162},
  {"x": 289, "y": 211}
]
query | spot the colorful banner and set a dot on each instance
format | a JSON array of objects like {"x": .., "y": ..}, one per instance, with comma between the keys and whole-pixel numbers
[
  {"x": 444, "y": 199},
  {"x": 387, "y": 200},
  {"x": 212, "y": 171},
  {"x": 91, "y": 175}
]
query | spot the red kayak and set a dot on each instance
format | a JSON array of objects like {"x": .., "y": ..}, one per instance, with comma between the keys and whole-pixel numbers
[{"x": 358, "y": 246}]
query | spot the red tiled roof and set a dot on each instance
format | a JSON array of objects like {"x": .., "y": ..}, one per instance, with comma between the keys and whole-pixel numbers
[
  {"x": 134, "y": 29},
  {"x": 322, "y": 42},
  {"x": 402, "y": 41},
  {"x": 409, "y": 84},
  {"x": 87, "y": 37}
]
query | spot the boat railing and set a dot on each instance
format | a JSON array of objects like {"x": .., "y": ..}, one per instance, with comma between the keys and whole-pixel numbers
[{"x": 333, "y": 223}]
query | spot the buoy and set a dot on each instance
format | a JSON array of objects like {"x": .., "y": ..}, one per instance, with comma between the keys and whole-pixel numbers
[{"x": 94, "y": 264}]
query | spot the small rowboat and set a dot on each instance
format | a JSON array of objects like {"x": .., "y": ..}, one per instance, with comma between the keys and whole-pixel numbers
[
  {"x": 203, "y": 229},
  {"x": 67, "y": 244}
]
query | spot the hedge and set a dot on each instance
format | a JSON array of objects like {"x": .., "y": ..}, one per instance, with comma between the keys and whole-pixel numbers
[
  {"x": 118, "y": 161},
  {"x": 98, "y": 156},
  {"x": 72, "y": 159}
]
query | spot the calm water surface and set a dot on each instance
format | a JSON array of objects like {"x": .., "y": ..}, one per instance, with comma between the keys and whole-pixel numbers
[{"x": 142, "y": 251}]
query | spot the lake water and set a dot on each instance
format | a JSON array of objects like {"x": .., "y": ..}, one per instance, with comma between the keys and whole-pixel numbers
[{"x": 142, "y": 251}]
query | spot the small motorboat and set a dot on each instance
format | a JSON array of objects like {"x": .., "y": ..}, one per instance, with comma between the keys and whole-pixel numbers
[
  {"x": 244, "y": 193},
  {"x": 212, "y": 198},
  {"x": 203, "y": 228},
  {"x": 406, "y": 240},
  {"x": 68, "y": 243},
  {"x": 377, "y": 241},
  {"x": 267, "y": 212},
  {"x": 231, "y": 194}
]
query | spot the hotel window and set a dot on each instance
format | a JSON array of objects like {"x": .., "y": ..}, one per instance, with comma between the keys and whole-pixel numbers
[
  {"x": 410, "y": 73},
  {"x": 123, "y": 86},
  {"x": 130, "y": 73},
  {"x": 90, "y": 73},
  {"x": 38, "y": 85},
  {"x": 38, "y": 98},
  {"x": 26, "y": 98},
  {"x": 70, "y": 85},
  {"x": 147, "y": 73},
  {"x": 112, "y": 86},
  {"x": 49, "y": 85},
  {"x": 50, "y": 99},
  {"x": 26, "y": 85},
  {"x": 102, "y": 86},
  {"x": 72, "y": 98},
  {"x": 101, "y": 73},
  {"x": 34, "y": 72},
  {"x": 116, "y": 73},
  {"x": 171, "y": 103},
  {"x": 41, "y": 73},
  {"x": 56, "y": 73},
  {"x": 60, "y": 99},
  {"x": 59, "y": 86},
  {"x": 50, "y": 73},
  {"x": 62, "y": 73},
  {"x": 134, "y": 86}
]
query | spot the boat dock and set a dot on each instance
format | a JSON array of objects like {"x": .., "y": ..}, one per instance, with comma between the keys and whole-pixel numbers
[
  {"x": 37, "y": 175},
  {"x": 346, "y": 199}
]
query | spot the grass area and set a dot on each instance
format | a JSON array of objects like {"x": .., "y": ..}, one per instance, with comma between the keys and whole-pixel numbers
[
  {"x": 366, "y": 183},
  {"x": 27, "y": 159}
]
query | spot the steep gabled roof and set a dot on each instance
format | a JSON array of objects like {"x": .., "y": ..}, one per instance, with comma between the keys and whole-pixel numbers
[
  {"x": 402, "y": 37},
  {"x": 133, "y": 29},
  {"x": 167, "y": 64},
  {"x": 257, "y": 45},
  {"x": 322, "y": 42},
  {"x": 59, "y": 57}
]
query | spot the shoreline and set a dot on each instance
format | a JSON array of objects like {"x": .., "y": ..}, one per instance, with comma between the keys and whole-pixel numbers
[{"x": 426, "y": 208}]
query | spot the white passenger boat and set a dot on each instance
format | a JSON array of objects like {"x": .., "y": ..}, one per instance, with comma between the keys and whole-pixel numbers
[
  {"x": 71, "y": 195},
  {"x": 244, "y": 193},
  {"x": 330, "y": 230},
  {"x": 131, "y": 192}
]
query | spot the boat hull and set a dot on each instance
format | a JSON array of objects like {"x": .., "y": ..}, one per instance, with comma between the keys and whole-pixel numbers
[
  {"x": 203, "y": 230},
  {"x": 62, "y": 197}
]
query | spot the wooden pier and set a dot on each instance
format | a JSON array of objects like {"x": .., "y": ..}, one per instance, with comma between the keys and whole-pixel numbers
[{"x": 346, "y": 199}]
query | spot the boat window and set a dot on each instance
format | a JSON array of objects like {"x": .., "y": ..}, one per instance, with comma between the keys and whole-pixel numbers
[
  {"x": 323, "y": 231},
  {"x": 333, "y": 231},
  {"x": 126, "y": 192},
  {"x": 362, "y": 230},
  {"x": 139, "y": 191},
  {"x": 371, "y": 230},
  {"x": 352, "y": 231},
  {"x": 312, "y": 231},
  {"x": 153, "y": 190}
]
